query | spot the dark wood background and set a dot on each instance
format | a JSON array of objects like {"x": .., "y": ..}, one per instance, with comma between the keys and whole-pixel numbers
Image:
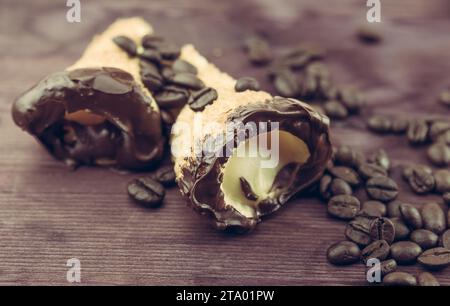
[{"x": 49, "y": 214}]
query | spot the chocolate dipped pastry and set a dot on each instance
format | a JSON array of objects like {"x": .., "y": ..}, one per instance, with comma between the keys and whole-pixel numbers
[
  {"x": 241, "y": 154},
  {"x": 97, "y": 111}
]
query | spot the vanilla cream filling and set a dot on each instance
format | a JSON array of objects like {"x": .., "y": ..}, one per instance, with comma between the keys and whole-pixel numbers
[{"x": 250, "y": 166}]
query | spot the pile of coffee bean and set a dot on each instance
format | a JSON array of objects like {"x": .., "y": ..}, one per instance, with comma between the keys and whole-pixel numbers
[
  {"x": 172, "y": 81},
  {"x": 301, "y": 73},
  {"x": 149, "y": 191},
  {"x": 382, "y": 227},
  {"x": 434, "y": 132}
]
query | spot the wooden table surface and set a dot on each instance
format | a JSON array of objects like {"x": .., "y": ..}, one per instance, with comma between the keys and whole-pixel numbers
[{"x": 49, "y": 214}]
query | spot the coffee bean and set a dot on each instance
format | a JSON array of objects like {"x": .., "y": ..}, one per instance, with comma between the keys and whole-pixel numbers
[
  {"x": 439, "y": 154},
  {"x": 151, "y": 55},
  {"x": 427, "y": 279},
  {"x": 446, "y": 199},
  {"x": 399, "y": 125},
  {"x": 388, "y": 266},
  {"x": 382, "y": 188},
  {"x": 369, "y": 34},
  {"x": 182, "y": 66},
  {"x": 444, "y": 97},
  {"x": 358, "y": 230},
  {"x": 258, "y": 50},
  {"x": 411, "y": 216},
  {"x": 399, "y": 279},
  {"x": 421, "y": 181},
  {"x": 442, "y": 179},
  {"x": 200, "y": 99},
  {"x": 425, "y": 238},
  {"x": 382, "y": 229},
  {"x": 346, "y": 174},
  {"x": 246, "y": 83},
  {"x": 169, "y": 51},
  {"x": 339, "y": 186},
  {"x": 405, "y": 252},
  {"x": 347, "y": 156},
  {"x": 401, "y": 230},
  {"x": 417, "y": 132},
  {"x": 299, "y": 56},
  {"x": 379, "y": 124},
  {"x": 146, "y": 191},
  {"x": 378, "y": 249},
  {"x": 381, "y": 158},
  {"x": 343, "y": 253},
  {"x": 408, "y": 170},
  {"x": 172, "y": 97},
  {"x": 352, "y": 99},
  {"x": 370, "y": 170},
  {"x": 444, "y": 138},
  {"x": 343, "y": 206},
  {"x": 336, "y": 110},
  {"x": 126, "y": 44},
  {"x": 434, "y": 218},
  {"x": 435, "y": 259},
  {"x": 373, "y": 208},
  {"x": 393, "y": 209},
  {"x": 150, "y": 75},
  {"x": 165, "y": 175},
  {"x": 286, "y": 83},
  {"x": 187, "y": 80},
  {"x": 150, "y": 41},
  {"x": 445, "y": 241},
  {"x": 324, "y": 186},
  {"x": 167, "y": 72},
  {"x": 438, "y": 128}
]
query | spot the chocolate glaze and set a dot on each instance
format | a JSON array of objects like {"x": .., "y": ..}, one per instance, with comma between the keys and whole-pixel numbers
[
  {"x": 129, "y": 138},
  {"x": 202, "y": 177}
]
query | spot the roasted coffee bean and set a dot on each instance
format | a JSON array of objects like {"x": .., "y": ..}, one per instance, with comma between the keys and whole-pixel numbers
[
  {"x": 370, "y": 170},
  {"x": 445, "y": 240},
  {"x": 408, "y": 170},
  {"x": 286, "y": 83},
  {"x": 379, "y": 124},
  {"x": 405, "y": 252},
  {"x": 382, "y": 188},
  {"x": 378, "y": 249},
  {"x": 444, "y": 138},
  {"x": 381, "y": 158},
  {"x": 427, "y": 279},
  {"x": 446, "y": 199},
  {"x": 182, "y": 66},
  {"x": 187, "y": 80},
  {"x": 393, "y": 209},
  {"x": 324, "y": 186},
  {"x": 126, "y": 44},
  {"x": 339, "y": 186},
  {"x": 417, "y": 131},
  {"x": 438, "y": 128},
  {"x": 439, "y": 154},
  {"x": 150, "y": 41},
  {"x": 172, "y": 97},
  {"x": 167, "y": 72},
  {"x": 200, "y": 99},
  {"x": 399, "y": 279},
  {"x": 421, "y": 181},
  {"x": 169, "y": 51},
  {"x": 399, "y": 125},
  {"x": 388, "y": 266},
  {"x": 318, "y": 70},
  {"x": 347, "y": 156},
  {"x": 346, "y": 174},
  {"x": 352, "y": 99},
  {"x": 335, "y": 109},
  {"x": 369, "y": 34},
  {"x": 401, "y": 230},
  {"x": 151, "y": 55},
  {"x": 146, "y": 191},
  {"x": 150, "y": 75},
  {"x": 411, "y": 216},
  {"x": 246, "y": 83},
  {"x": 425, "y": 238},
  {"x": 299, "y": 56},
  {"x": 165, "y": 175},
  {"x": 343, "y": 206},
  {"x": 433, "y": 217},
  {"x": 343, "y": 253},
  {"x": 444, "y": 97},
  {"x": 436, "y": 258},
  {"x": 358, "y": 230},
  {"x": 442, "y": 179},
  {"x": 258, "y": 50},
  {"x": 373, "y": 208},
  {"x": 382, "y": 229}
]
